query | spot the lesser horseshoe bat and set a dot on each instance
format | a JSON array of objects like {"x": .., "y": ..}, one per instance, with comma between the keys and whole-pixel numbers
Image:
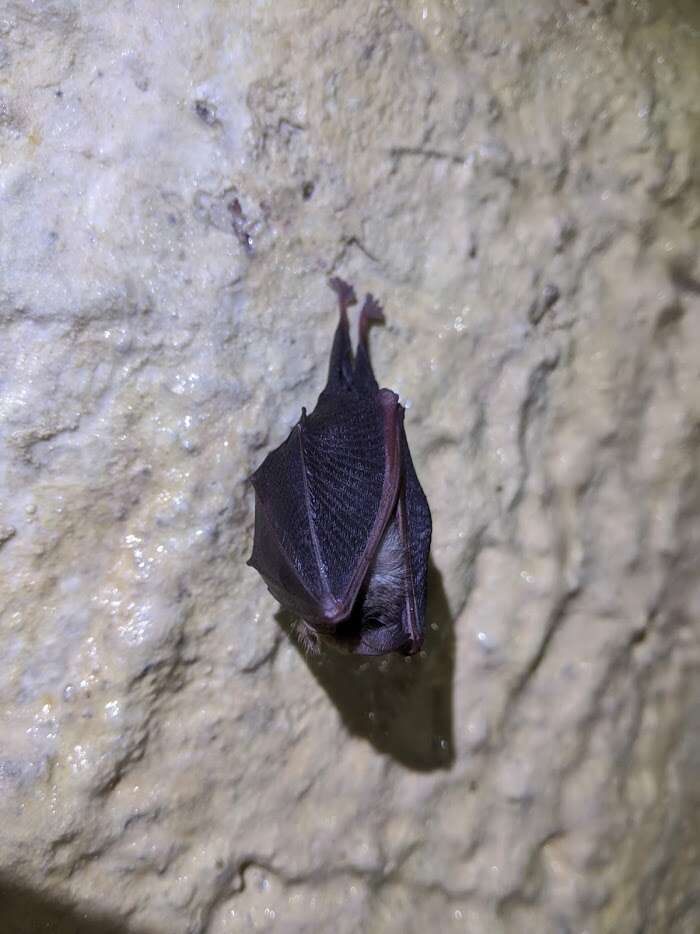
[{"x": 342, "y": 526}]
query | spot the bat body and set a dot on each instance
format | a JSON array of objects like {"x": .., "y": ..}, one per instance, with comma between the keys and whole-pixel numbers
[{"x": 342, "y": 526}]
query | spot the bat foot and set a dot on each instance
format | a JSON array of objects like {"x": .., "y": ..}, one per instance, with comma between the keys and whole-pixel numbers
[
  {"x": 346, "y": 293},
  {"x": 372, "y": 313},
  {"x": 307, "y": 638}
]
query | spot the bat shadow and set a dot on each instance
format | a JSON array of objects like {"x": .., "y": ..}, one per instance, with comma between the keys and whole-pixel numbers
[
  {"x": 402, "y": 705},
  {"x": 24, "y": 910}
]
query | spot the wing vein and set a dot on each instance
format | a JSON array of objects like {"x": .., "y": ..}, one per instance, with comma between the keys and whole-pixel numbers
[
  {"x": 312, "y": 527},
  {"x": 283, "y": 554}
]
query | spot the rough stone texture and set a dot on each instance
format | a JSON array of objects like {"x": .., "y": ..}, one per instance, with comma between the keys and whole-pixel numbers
[{"x": 518, "y": 181}]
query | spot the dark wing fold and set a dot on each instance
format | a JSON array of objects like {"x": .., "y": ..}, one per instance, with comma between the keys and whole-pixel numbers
[
  {"x": 418, "y": 530},
  {"x": 403, "y": 631}
]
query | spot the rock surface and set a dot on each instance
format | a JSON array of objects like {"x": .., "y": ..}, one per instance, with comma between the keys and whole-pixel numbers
[{"x": 519, "y": 183}]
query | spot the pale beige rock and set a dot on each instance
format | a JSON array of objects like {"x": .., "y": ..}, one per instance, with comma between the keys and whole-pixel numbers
[{"x": 518, "y": 183}]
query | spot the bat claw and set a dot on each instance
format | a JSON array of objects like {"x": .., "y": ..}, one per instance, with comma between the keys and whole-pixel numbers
[
  {"x": 346, "y": 293},
  {"x": 372, "y": 310}
]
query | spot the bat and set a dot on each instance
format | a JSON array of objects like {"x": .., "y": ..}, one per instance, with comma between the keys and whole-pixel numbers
[{"x": 342, "y": 526}]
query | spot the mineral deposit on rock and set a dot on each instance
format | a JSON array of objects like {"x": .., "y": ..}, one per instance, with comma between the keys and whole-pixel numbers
[{"x": 519, "y": 183}]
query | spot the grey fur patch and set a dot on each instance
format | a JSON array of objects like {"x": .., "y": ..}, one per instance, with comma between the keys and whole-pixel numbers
[{"x": 386, "y": 581}]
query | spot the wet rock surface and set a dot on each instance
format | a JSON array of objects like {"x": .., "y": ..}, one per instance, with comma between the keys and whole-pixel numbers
[{"x": 518, "y": 183}]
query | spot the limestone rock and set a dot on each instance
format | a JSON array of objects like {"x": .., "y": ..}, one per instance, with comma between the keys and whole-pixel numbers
[{"x": 518, "y": 184}]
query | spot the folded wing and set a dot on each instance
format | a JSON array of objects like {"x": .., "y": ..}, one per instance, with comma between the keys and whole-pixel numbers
[{"x": 323, "y": 500}]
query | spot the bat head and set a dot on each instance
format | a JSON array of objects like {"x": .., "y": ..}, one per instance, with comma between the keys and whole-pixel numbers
[{"x": 374, "y": 626}]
